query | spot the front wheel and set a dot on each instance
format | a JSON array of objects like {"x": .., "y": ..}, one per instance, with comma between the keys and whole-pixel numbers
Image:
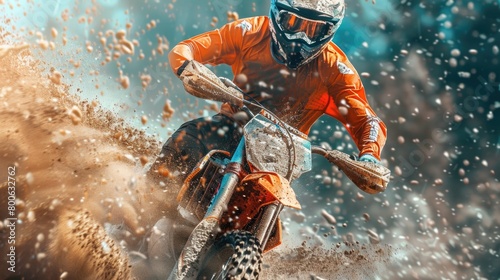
[{"x": 235, "y": 255}]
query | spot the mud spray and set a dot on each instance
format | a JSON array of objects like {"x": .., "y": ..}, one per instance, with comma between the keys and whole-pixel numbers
[{"x": 76, "y": 201}]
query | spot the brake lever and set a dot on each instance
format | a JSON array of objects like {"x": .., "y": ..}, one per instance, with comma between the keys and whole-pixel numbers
[
  {"x": 228, "y": 83},
  {"x": 320, "y": 151}
]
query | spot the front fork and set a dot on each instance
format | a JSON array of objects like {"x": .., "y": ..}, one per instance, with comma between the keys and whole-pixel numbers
[
  {"x": 205, "y": 232},
  {"x": 266, "y": 224}
]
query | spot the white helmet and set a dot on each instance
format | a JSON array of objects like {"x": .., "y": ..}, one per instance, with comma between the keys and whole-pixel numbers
[{"x": 301, "y": 29}]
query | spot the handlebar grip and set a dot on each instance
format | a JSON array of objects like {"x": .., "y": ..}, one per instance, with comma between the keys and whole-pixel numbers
[{"x": 369, "y": 177}]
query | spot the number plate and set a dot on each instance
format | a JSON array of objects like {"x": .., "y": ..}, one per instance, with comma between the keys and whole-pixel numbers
[{"x": 268, "y": 148}]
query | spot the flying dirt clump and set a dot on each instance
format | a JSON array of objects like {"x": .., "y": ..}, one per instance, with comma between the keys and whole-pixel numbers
[{"x": 99, "y": 255}]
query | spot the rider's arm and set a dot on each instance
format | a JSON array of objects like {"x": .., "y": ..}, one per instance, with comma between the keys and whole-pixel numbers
[
  {"x": 206, "y": 48},
  {"x": 220, "y": 46},
  {"x": 224, "y": 45},
  {"x": 366, "y": 129}
]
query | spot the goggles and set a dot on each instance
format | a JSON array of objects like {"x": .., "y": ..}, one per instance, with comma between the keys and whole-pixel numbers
[{"x": 310, "y": 30}]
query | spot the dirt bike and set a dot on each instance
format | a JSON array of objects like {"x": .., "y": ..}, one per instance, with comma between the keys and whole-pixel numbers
[{"x": 234, "y": 199}]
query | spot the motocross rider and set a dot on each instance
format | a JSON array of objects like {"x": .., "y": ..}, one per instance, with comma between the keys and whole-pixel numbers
[{"x": 286, "y": 61}]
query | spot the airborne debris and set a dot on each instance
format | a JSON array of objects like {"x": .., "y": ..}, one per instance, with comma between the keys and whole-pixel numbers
[
  {"x": 232, "y": 16},
  {"x": 30, "y": 178},
  {"x": 53, "y": 32},
  {"x": 144, "y": 160},
  {"x": 40, "y": 256},
  {"x": 168, "y": 111},
  {"x": 124, "y": 81},
  {"x": 455, "y": 52},
  {"x": 31, "y": 216},
  {"x": 366, "y": 216},
  {"x": 145, "y": 80},
  {"x": 438, "y": 182},
  {"x": 75, "y": 114},
  {"x": 329, "y": 218},
  {"x": 55, "y": 77},
  {"x": 373, "y": 237}
]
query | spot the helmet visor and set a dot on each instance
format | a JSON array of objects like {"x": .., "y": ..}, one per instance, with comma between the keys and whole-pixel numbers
[{"x": 314, "y": 30}]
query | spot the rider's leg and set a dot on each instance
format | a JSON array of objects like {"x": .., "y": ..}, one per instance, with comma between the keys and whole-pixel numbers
[
  {"x": 191, "y": 142},
  {"x": 178, "y": 157}
]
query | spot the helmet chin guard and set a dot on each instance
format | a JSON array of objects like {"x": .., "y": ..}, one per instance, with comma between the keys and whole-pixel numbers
[{"x": 301, "y": 29}]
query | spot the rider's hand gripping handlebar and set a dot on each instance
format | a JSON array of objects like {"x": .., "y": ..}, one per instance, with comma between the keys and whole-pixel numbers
[
  {"x": 201, "y": 82},
  {"x": 367, "y": 176}
]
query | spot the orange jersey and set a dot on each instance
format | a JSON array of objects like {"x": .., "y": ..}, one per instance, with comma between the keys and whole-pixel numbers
[{"x": 329, "y": 84}]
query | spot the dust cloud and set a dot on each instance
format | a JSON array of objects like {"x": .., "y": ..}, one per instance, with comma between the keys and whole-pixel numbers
[{"x": 75, "y": 175}]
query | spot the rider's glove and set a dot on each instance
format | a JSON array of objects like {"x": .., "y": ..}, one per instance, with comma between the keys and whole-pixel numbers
[{"x": 369, "y": 158}]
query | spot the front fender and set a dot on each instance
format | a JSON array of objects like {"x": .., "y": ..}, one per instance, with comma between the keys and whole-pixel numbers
[{"x": 273, "y": 185}]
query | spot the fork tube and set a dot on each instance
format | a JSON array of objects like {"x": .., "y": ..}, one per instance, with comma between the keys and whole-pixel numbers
[
  {"x": 229, "y": 182},
  {"x": 267, "y": 222}
]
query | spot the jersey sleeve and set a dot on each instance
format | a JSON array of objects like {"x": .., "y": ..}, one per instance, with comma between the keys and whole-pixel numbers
[
  {"x": 220, "y": 46},
  {"x": 351, "y": 107}
]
